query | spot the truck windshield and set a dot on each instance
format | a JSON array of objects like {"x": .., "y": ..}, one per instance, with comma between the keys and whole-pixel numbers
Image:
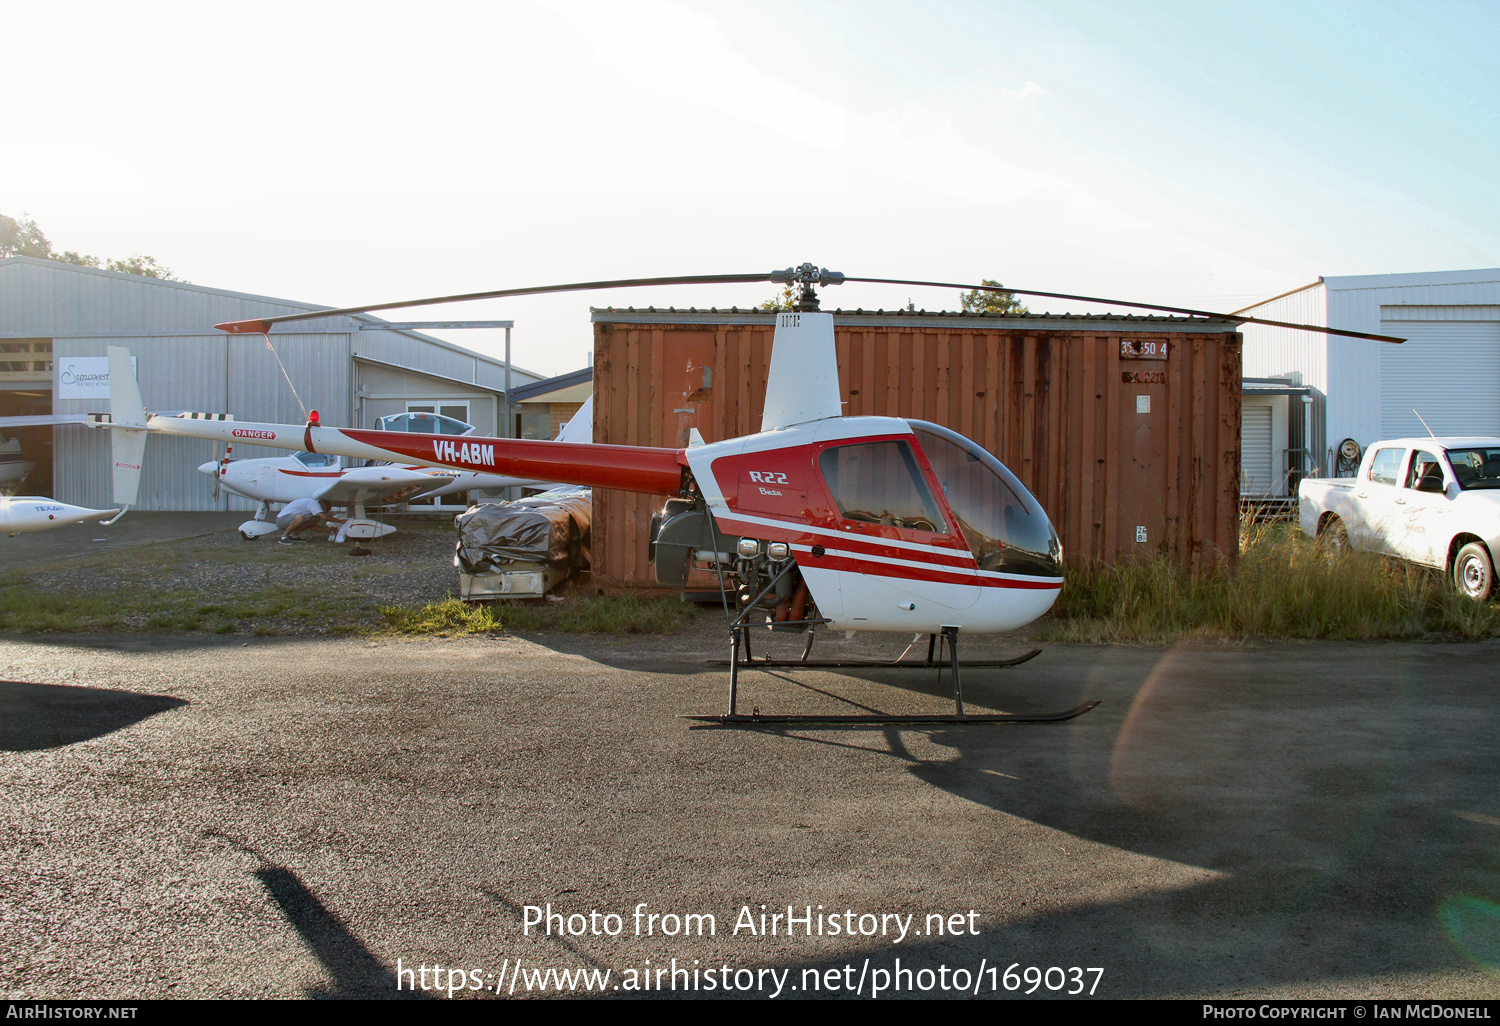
[{"x": 1476, "y": 468}]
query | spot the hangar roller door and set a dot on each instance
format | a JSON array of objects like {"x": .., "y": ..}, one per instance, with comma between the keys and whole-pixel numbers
[
  {"x": 1255, "y": 450},
  {"x": 1449, "y": 371}
]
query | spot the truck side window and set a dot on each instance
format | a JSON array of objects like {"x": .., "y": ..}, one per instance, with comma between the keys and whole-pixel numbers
[
  {"x": 1423, "y": 464},
  {"x": 1386, "y": 466}
]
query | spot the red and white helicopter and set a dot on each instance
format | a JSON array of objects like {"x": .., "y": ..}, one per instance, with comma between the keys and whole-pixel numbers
[
  {"x": 318, "y": 475},
  {"x": 816, "y": 521}
]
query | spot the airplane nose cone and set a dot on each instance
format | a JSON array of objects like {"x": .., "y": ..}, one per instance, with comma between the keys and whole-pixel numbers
[{"x": 210, "y": 468}]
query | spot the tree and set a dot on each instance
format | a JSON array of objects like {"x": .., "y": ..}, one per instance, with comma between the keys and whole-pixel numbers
[
  {"x": 782, "y": 300},
  {"x": 981, "y": 302},
  {"x": 70, "y": 257},
  {"x": 24, "y": 238},
  {"x": 145, "y": 266}
]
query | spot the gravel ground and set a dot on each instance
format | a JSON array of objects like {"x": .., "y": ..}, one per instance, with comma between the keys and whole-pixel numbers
[{"x": 410, "y": 568}]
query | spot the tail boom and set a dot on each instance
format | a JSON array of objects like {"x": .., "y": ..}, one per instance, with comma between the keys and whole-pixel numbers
[{"x": 625, "y": 467}]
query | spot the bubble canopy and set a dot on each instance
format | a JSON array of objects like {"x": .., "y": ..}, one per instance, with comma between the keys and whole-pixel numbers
[{"x": 1001, "y": 521}]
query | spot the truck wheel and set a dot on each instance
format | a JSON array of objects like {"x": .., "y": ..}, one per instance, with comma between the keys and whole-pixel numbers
[
  {"x": 1334, "y": 539},
  {"x": 1473, "y": 572}
]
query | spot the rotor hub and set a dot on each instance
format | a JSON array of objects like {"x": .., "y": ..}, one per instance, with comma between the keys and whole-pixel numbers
[{"x": 807, "y": 275}]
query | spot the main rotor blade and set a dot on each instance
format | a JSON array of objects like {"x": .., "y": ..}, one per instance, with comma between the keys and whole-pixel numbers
[
  {"x": 1140, "y": 306},
  {"x": 805, "y": 273},
  {"x": 262, "y": 325}
]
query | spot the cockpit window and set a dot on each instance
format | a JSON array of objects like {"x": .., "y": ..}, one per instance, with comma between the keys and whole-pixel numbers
[
  {"x": 1476, "y": 468},
  {"x": 423, "y": 423},
  {"x": 1002, "y": 523},
  {"x": 881, "y": 483},
  {"x": 317, "y": 460}
]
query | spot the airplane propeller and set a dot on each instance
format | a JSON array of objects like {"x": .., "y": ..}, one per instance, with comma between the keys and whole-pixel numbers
[
  {"x": 219, "y": 471},
  {"x": 807, "y": 275}
]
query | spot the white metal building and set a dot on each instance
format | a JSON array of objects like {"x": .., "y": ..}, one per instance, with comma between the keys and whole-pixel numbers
[
  {"x": 57, "y": 320},
  {"x": 1449, "y": 371}
]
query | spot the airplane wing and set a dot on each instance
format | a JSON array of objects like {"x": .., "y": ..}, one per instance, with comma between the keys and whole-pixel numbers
[
  {"x": 44, "y": 420},
  {"x": 383, "y": 486}
]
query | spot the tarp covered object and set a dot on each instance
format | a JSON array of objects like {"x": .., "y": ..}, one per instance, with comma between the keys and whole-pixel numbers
[{"x": 551, "y": 528}]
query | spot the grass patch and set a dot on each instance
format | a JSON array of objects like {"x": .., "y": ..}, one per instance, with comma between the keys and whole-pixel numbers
[
  {"x": 25, "y": 606},
  {"x": 1285, "y": 586},
  {"x": 620, "y": 614}
]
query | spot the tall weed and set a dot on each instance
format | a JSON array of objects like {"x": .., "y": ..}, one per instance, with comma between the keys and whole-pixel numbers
[{"x": 1285, "y": 586}]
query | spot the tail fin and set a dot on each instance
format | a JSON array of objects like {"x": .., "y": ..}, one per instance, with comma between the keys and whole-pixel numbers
[
  {"x": 127, "y": 437},
  {"x": 803, "y": 383},
  {"x": 581, "y": 427}
]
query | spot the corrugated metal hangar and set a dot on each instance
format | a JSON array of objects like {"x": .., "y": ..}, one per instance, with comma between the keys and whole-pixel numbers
[
  {"x": 1126, "y": 429},
  {"x": 1449, "y": 370},
  {"x": 57, "y": 319}
]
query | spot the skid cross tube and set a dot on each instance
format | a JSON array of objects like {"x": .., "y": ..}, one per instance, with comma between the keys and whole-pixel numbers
[{"x": 950, "y": 637}]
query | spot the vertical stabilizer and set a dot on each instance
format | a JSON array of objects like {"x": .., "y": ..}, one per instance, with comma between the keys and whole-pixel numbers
[
  {"x": 581, "y": 427},
  {"x": 125, "y": 405},
  {"x": 804, "y": 381},
  {"x": 127, "y": 436}
]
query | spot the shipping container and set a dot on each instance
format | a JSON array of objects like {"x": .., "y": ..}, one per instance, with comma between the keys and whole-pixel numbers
[{"x": 1126, "y": 429}]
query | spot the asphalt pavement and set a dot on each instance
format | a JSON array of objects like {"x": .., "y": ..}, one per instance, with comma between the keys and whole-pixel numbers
[{"x": 286, "y": 818}]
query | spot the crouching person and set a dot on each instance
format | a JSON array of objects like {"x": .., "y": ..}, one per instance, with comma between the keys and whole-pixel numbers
[{"x": 300, "y": 514}]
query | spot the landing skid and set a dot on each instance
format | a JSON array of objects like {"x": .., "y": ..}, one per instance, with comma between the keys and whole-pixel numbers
[
  {"x": 756, "y": 718},
  {"x": 876, "y": 664},
  {"x": 739, "y": 640}
]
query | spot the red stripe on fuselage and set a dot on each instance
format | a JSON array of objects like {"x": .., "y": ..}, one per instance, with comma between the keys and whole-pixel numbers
[
  {"x": 870, "y": 568},
  {"x": 798, "y": 534}
]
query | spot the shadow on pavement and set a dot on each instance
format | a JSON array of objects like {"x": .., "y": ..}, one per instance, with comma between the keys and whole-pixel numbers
[
  {"x": 40, "y": 716},
  {"x": 1288, "y": 829}
]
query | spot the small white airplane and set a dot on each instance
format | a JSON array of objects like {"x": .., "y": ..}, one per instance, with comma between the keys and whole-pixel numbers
[
  {"x": 23, "y": 513},
  {"x": 311, "y": 475},
  {"x": 20, "y": 513}
]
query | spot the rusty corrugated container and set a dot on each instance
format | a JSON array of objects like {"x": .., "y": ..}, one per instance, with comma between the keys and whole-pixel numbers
[{"x": 1126, "y": 429}]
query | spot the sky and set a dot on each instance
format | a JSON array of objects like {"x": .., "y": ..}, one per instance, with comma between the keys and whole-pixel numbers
[{"x": 1197, "y": 154}]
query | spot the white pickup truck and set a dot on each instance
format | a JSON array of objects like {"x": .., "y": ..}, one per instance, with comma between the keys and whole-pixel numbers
[{"x": 1433, "y": 501}]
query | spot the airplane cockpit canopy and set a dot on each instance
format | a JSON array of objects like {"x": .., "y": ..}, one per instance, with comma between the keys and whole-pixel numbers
[
  {"x": 1003, "y": 524},
  {"x": 424, "y": 423},
  {"x": 316, "y": 460}
]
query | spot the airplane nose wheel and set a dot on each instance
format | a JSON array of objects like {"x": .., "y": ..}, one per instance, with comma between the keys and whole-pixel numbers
[{"x": 739, "y": 641}]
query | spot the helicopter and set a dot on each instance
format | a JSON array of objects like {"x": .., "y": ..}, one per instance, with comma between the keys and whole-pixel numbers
[{"x": 816, "y": 522}]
